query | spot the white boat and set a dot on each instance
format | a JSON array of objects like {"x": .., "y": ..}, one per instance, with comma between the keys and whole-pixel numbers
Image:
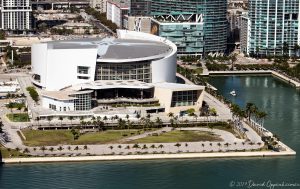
[{"x": 233, "y": 93}]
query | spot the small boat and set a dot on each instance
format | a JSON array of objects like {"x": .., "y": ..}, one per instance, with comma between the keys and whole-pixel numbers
[{"x": 233, "y": 93}]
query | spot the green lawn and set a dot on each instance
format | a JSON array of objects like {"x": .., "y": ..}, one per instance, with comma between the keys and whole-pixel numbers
[
  {"x": 198, "y": 71},
  {"x": 18, "y": 117},
  {"x": 60, "y": 137},
  {"x": 179, "y": 136}
]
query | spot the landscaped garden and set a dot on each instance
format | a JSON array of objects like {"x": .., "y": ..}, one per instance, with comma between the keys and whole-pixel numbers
[{"x": 18, "y": 117}]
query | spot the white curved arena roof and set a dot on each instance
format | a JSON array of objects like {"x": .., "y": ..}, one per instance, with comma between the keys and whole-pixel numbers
[{"x": 116, "y": 49}]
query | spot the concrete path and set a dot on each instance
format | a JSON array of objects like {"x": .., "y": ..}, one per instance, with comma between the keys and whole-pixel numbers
[
  {"x": 160, "y": 131},
  {"x": 226, "y": 136}
]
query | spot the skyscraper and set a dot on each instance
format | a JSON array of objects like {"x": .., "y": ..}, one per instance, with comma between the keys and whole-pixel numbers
[
  {"x": 274, "y": 26},
  {"x": 15, "y": 14},
  {"x": 195, "y": 26}
]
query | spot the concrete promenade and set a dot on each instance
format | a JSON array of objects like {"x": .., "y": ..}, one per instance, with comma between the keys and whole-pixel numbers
[
  {"x": 245, "y": 72},
  {"x": 149, "y": 157}
]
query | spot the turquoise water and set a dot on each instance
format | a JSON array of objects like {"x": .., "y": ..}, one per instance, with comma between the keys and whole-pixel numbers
[{"x": 281, "y": 101}]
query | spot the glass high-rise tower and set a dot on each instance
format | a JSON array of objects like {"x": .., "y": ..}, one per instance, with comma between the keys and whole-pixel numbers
[
  {"x": 205, "y": 24},
  {"x": 274, "y": 26}
]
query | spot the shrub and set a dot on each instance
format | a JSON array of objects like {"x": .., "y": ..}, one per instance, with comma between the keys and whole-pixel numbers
[{"x": 33, "y": 93}]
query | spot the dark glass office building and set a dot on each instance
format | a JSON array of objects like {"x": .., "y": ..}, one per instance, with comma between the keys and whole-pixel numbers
[{"x": 212, "y": 14}]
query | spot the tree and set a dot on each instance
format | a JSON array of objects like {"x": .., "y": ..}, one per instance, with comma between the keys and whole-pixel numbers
[
  {"x": 171, "y": 114},
  {"x": 38, "y": 120},
  {"x": 43, "y": 148},
  {"x": 71, "y": 118},
  {"x": 1, "y": 127},
  {"x": 10, "y": 106},
  {"x": 296, "y": 49},
  {"x": 285, "y": 48},
  {"x": 60, "y": 148},
  {"x": 177, "y": 145},
  {"x": 261, "y": 116},
  {"x": 61, "y": 119},
  {"x": 33, "y": 93},
  {"x": 26, "y": 150},
  {"x": 76, "y": 148},
  {"x": 51, "y": 149},
  {"x": 233, "y": 60},
  {"x": 158, "y": 122},
  {"x": 49, "y": 118},
  {"x": 85, "y": 147},
  {"x": 2, "y": 35},
  {"x": 75, "y": 134}
]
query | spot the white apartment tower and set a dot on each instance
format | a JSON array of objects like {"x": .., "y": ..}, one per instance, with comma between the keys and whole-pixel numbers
[
  {"x": 98, "y": 4},
  {"x": 15, "y": 15}
]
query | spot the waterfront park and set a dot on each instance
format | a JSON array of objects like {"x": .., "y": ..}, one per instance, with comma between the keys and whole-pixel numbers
[{"x": 219, "y": 127}]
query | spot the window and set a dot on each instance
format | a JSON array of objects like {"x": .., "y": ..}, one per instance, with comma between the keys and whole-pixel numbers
[
  {"x": 82, "y": 77},
  {"x": 82, "y": 70},
  {"x": 184, "y": 98}
]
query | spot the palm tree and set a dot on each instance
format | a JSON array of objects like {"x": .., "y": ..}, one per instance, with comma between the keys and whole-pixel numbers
[
  {"x": 76, "y": 148},
  {"x": 85, "y": 147},
  {"x": 10, "y": 106},
  {"x": 160, "y": 146},
  {"x": 43, "y": 148},
  {"x": 195, "y": 116},
  {"x": 49, "y": 119},
  {"x": 233, "y": 60},
  {"x": 296, "y": 49},
  {"x": 285, "y": 48},
  {"x": 172, "y": 122},
  {"x": 158, "y": 122},
  {"x": 177, "y": 145},
  {"x": 38, "y": 120},
  {"x": 26, "y": 150},
  {"x": 94, "y": 119},
  {"x": 60, "y": 148},
  {"x": 261, "y": 116},
  {"x": 71, "y": 118},
  {"x": 171, "y": 114},
  {"x": 61, "y": 119}
]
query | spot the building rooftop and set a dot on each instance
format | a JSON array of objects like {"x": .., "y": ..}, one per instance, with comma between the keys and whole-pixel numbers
[
  {"x": 116, "y": 49},
  {"x": 120, "y": 3}
]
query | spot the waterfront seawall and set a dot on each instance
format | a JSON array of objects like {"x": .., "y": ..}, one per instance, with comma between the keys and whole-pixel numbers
[
  {"x": 258, "y": 72},
  {"x": 289, "y": 152}
]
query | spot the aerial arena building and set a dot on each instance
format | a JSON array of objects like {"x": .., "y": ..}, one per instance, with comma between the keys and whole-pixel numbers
[{"x": 135, "y": 68}]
